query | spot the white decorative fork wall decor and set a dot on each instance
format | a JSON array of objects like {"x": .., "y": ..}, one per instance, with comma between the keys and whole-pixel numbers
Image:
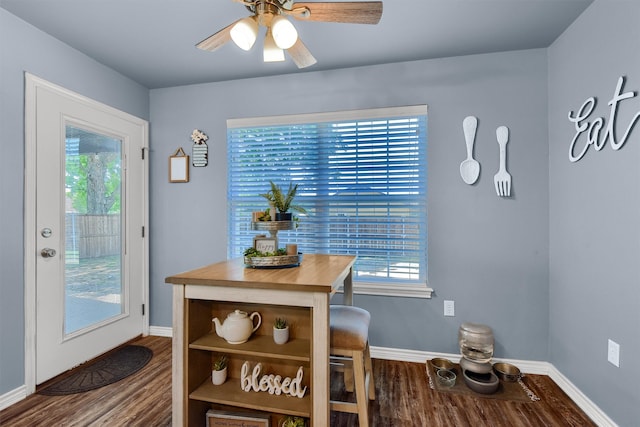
[{"x": 502, "y": 179}]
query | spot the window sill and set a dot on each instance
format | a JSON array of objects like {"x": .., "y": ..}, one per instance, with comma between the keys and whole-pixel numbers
[{"x": 392, "y": 290}]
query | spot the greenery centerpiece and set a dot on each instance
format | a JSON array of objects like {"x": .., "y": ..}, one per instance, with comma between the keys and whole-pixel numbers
[
  {"x": 253, "y": 252},
  {"x": 264, "y": 253},
  {"x": 278, "y": 259}
]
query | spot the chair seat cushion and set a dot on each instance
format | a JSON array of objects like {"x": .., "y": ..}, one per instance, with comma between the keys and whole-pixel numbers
[{"x": 349, "y": 327}]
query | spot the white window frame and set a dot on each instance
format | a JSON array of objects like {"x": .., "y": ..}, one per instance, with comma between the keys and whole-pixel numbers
[{"x": 397, "y": 289}]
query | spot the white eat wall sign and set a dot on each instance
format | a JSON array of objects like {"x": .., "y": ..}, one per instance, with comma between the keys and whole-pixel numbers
[{"x": 592, "y": 129}]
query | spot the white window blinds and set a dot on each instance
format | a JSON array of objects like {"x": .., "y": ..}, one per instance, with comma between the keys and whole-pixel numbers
[{"x": 361, "y": 175}]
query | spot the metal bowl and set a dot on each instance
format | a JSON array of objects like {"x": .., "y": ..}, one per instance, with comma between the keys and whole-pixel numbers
[
  {"x": 446, "y": 377},
  {"x": 507, "y": 371},
  {"x": 481, "y": 383},
  {"x": 441, "y": 363}
]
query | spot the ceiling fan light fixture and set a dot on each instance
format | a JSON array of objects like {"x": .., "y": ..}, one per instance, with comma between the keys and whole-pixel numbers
[
  {"x": 245, "y": 33},
  {"x": 271, "y": 51},
  {"x": 281, "y": 33},
  {"x": 284, "y": 33}
]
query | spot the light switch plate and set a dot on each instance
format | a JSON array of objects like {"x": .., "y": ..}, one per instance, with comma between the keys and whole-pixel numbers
[{"x": 449, "y": 308}]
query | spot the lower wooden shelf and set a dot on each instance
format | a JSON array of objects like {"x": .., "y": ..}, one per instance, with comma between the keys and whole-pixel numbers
[{"x": 231, "y": 394}]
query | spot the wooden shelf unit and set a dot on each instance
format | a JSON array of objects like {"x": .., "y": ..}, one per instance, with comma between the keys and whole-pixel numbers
[
  {"x": 301, "y": 295},
  {"x": 285, "y": 359}
]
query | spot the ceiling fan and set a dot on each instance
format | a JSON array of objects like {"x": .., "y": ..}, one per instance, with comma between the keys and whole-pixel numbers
[{"x": 281, "y": 35}]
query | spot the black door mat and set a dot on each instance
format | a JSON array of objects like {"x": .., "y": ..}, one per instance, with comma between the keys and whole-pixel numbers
[{"x": 107, "y": 370}]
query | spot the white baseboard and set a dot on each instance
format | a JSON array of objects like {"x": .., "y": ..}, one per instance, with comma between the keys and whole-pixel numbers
[
  {"x": 14, "y": 396},
  {"x": 526, "y": 366},
  {"x": 161, "y": 331},
  {"x": 583, "y": 402}
]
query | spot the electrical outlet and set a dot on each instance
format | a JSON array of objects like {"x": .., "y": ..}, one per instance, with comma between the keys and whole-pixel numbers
[
  {"x": 449, "y": 308},
  {"x": 613, "y": 353}
]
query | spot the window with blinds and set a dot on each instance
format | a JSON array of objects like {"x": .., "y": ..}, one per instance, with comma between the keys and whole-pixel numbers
[{"x": 362, "y": 178}]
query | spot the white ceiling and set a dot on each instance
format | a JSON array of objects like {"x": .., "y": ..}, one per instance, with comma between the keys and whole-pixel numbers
[{"x": 153, "y": 41}]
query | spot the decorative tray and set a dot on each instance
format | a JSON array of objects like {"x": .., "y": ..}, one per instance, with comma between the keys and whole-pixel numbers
[
  {"x": 273, "y": 225},
  {"x": 282, "y": 261}
]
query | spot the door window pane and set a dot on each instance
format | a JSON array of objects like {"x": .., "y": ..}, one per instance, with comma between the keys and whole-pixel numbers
[{"x": 93, "y": 227}]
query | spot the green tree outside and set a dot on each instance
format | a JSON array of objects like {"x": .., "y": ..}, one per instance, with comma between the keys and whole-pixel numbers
[{"x": 93, "y": 182}]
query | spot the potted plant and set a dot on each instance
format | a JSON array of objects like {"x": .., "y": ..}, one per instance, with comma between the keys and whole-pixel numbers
[
  {"x": 219, "y": 370},
  {"x": 291, "y": 421},
  {"x": 266, "y": 215},
  {"x": 283, "y": 201},
  {"x": 280, "y": 330}
]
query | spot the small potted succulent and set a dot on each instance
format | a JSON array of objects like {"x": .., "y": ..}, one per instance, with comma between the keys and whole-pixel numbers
[
  {"x": 291, "y": 421},
  {"x": 280, "y": 330},
  {"x": 219, "y": 370}
]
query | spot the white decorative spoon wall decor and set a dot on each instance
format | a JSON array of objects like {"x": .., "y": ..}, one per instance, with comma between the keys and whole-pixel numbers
[
  {"x": 502, "y": 179},
  {"x": 469, "y": 168}
]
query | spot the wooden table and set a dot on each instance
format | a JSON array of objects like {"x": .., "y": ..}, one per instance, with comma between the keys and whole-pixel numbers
[{"x": 302, "y": 293}]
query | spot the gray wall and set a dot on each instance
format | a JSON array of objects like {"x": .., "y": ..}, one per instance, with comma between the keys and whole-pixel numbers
[
  {"x": 489, "y": 254},
  {"x": 25, "y": 48},
  {"x": 595, "y": 212},
  {"x": 556, "y": 298}
]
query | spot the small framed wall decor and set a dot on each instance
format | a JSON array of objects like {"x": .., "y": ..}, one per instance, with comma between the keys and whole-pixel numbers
[
  {"x": 236, "y": 419},
  {"x": 265, "y": 244},
  {"x": 179, "y": 166}
]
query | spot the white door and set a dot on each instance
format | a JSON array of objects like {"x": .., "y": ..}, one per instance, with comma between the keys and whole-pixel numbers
[{"x": 90, "y": 210}]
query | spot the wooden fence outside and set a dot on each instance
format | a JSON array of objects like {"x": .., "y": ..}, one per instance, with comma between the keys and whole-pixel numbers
[{"x": 92, "y": 236}]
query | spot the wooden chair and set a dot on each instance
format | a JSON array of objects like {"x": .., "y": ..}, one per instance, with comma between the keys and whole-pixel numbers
[{"x": 349, "y": 344}]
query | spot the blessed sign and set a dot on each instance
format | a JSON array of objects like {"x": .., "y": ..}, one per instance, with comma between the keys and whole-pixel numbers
[
  {"x": 273, "y": 384},
  {"x": 591, "y": 129}
]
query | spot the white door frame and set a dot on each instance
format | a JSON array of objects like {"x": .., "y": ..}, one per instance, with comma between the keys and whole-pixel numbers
[{"x": 30, "y": 252}]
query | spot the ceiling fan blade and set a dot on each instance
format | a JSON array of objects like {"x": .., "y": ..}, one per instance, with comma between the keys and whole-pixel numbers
[
  {"x": 301, "y": 55},
  {"x": 356, "y": 12},
  {"x": 216, "y": 40}
]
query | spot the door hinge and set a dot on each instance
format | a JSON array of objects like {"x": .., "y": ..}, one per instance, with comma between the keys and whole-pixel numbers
[
  {"x": 143, "y": 231},
  {"x": 143, "y": 309},
  {"x": 142, "y": 153}
]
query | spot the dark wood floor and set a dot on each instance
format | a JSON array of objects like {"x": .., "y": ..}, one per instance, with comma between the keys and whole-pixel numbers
[{"x": 403, "y": 399}]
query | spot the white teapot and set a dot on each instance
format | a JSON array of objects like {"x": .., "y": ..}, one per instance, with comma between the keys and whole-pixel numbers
[{"x": 237, "y": 327}]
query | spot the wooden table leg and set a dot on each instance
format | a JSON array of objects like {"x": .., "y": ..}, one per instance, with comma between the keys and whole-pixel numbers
[
  {"x": 320, "y": 362},
  {"x": 178, "y": 401}
]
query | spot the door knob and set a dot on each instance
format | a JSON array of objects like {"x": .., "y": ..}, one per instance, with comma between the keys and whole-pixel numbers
[{"x": 48, "y": 253}]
